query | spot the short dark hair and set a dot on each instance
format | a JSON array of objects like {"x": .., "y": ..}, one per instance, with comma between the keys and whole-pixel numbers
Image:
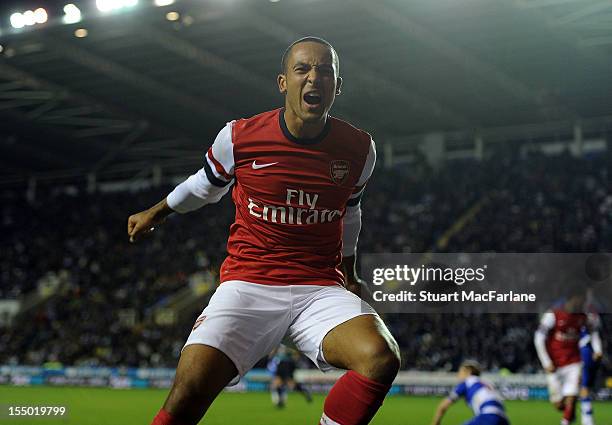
[
  {"x": 473, "y": 366},
  {"x": 305, "y": 40}
]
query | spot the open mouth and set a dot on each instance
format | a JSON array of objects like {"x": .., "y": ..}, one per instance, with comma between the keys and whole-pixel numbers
[{"x": 312, "y": 99}]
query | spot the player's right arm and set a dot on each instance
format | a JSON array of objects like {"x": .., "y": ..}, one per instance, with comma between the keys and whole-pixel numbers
[
  {"x": 206, "y": 186},
  {"x": 441, "y": 411},
  {"x": 547, "y": 322},
  {"x": 145, "y": 221},
  {"x": 459, "y": 391}
]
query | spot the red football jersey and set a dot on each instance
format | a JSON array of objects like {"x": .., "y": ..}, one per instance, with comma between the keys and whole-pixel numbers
[
  {"x": 562, "y": 341},
  {"x": 290, "y": 195}
]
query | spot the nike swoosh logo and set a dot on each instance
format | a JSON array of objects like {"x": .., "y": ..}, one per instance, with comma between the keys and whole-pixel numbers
[{"x": 258, "y": 166}]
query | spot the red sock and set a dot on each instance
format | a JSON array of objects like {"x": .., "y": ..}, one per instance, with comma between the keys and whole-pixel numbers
[
  {"x": 569, "y": 412},
  {"x": 164, "y": 418},
  {"x": 353, "y": 400}
]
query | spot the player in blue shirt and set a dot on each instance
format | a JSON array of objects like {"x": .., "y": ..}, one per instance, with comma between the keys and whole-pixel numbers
[
  {"x": 480, "y": 396},
  {"x": 282, "y": 366},
  {"x": 590, "y": 353}
]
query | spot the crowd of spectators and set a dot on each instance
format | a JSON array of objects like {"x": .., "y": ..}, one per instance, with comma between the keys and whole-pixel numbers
[
  {"x": 542, "y": 204},
  {"x": 82, "y": 237},
  {"x": 537, "y": 204}
]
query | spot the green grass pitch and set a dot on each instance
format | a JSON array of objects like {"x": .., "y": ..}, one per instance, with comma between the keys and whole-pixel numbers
[{"x": 98, "y": 406}]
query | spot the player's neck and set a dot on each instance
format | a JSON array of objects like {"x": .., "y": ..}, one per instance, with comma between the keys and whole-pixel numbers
[{"x": 300, "y": 129}]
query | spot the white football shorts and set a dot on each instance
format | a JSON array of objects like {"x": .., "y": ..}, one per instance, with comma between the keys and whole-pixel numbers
[
  {"x": 246, "y": 321},
  {"x": 564, "y": 382}
]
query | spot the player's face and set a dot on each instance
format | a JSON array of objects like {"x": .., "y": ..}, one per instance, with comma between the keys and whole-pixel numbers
[
  {"x": 463, "y": 373},
  {"x": 310, "y": 81},
  {"x": 575, "y": 304}
]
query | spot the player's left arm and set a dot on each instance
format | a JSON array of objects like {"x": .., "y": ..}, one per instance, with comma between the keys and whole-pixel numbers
[{"x": 351, "y": 226}]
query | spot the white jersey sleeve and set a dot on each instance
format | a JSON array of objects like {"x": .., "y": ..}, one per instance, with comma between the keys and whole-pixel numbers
[
  {"x": 351, "y": 223},
  {"x": 212, "y": 181},
  {"x": 594, "y": 323},
  {"x": 547, "y": 322}
]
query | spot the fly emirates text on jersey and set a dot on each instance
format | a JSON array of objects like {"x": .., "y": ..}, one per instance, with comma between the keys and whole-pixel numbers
[{"x": 300, "y": 209}]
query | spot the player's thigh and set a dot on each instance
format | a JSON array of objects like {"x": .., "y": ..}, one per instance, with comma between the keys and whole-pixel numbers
[
  {"x": 360, "y": 339},
  {"x": 553, "y": 382},
  {"x": 589, "y": 374},
  {"x": 202, "y": 373},
  {"x": 245, "y": 321},
  {"x": 473, "y": 421},
  {"x": 334, "y": 325},
  {"x": 570, "y": 379}
]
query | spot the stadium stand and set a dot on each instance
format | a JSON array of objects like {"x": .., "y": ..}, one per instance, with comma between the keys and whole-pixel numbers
[{"x": 74, "y": 241}]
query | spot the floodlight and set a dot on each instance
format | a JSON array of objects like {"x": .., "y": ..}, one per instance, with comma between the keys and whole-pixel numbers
[
  {"x": 173, "y": 16},
  {"x": 17, "y": 20},
  {"x": 72, "y": 14},
  {"x": 108, "y": 5},
  {"x": 28, "y": 18},
  {"x": 40, "y": 16}
]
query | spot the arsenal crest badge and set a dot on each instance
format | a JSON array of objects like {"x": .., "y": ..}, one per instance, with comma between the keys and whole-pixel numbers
[{"x": 339, "y": 170}]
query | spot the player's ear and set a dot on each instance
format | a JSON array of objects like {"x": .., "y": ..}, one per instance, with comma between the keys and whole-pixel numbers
[
  {"x": 282, "y": 83},
  {"x": 338, "y": 86}
]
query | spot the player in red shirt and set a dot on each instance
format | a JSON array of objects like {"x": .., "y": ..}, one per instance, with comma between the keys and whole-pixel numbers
[
  {"x": 297, "y": 175},
  {"x": 557, "y": 344}
]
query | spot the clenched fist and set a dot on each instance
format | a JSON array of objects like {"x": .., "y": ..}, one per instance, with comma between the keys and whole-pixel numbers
[{"x": 145, "y": 221}]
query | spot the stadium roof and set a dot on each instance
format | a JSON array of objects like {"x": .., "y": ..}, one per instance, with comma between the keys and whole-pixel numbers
[{"x": 142, "y": 91}]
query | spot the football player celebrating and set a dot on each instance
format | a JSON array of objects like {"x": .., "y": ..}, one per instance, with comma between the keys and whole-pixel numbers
[
  {"x": 298, "y": 175},
  {"x": 557, "y": 344}
]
